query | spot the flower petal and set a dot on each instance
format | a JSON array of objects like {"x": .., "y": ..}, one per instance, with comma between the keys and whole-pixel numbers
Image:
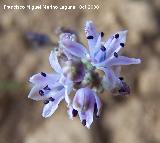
[
  {"x": 83, "y": 102},
  {"x": 82, "y": 99},
  {"x": 98, "y": 104},
  {"x": 96, "y": 48},
  {"x": 75, "y": 48},
  {"x": 68, "y": 90},
  {"x": 53, "y": 60},
  {"x": 63, "y": 37},
  {"x": 68, "y": 85},
  {"x": 122, "y": 60},
  {"x": 98, "y": 43},
  {"x": 35, "y": 94},
  {"x": 43, "y": 78},
  {"x": 116, "y": 70},
  {"x": 90, "y": 30},
  {"x": 100, "y": 56},
  {"x": 42, "y": 92},
  {"x": 69, "y": 112},
  {"x": 78, "y": 100},
  {"x": 98, "y": 65},
  {"x": 114, "y": 42},
  {"x": 67, "y": 36},
  {"x": 82, "y": 116},
  {"x": 51, "y": 107},
  {"x": 89, "y": 116},
  {"x": 69, "y": 55},
  {"x": 110, "y": 80},
  {"x": 108, "y": 42},
  {"x": 56, "y": 90}
]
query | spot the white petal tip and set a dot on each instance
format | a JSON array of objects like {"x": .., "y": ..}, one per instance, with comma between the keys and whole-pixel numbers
[
  {"x": 137, "y": 61},
  {"x": 30, "y": 79},
  {"x": 29, "y": 96},
  {"x": 89, "y": 22},
  {"x": 46, "y": 115},
  {"x": 33, "y": 98},
  {"x": 88, "y": 126}
]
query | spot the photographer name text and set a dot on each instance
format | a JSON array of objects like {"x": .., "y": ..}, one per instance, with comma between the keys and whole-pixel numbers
[{"x": 50, "y": 7}]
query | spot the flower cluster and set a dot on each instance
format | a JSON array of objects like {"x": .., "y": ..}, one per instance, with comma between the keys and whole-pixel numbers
[{"x": 77, "y": 70}]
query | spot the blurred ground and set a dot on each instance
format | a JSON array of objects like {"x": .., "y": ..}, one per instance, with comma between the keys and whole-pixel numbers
[{"x": 124, "y": 119}]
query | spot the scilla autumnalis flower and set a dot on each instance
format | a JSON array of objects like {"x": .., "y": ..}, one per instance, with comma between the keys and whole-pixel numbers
[
  {"x": 84, "y": 72},
  {"x": 51, "y": 88},
  {"x": 104, "y": 56}
]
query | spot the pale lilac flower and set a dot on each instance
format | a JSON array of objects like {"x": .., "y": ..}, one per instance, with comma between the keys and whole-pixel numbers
[
  {"x": 104, "y": 56},
  {"x": 42, "y": 84},
  {"x": 51, "y": 88},
  {"x": 86, "y": 104},
  {"x": 76, "y": 69}
]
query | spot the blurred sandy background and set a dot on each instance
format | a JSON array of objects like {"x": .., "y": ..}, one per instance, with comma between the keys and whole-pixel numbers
[{"x": 133, "y": 119}]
